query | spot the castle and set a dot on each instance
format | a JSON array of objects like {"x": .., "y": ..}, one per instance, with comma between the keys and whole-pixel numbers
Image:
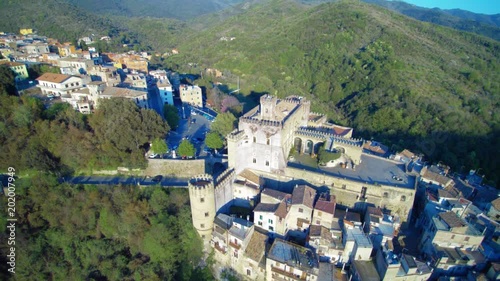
[{"x": 261, "y": 156}]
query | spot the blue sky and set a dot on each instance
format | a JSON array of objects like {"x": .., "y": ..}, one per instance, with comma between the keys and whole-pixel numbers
[{"x": 477, "y": 6}]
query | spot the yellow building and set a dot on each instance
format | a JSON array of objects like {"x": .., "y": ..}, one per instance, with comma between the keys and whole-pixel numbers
[
  {"x": 26, "y": 31},
  {"x": 66, "y": 49},
  {"x": 19, "y": 69}
]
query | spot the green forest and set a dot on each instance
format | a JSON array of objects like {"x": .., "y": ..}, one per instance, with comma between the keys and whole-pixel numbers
[{"x": 69, "y": 232}]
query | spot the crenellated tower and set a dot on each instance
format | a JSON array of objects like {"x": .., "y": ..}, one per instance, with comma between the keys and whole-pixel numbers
[{"x": 202, "y": 201}]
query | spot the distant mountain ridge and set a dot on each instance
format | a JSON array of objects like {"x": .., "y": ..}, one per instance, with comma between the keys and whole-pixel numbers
[{"x": 487, "y": 25}]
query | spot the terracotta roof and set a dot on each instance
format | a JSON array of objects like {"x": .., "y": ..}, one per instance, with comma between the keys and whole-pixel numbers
[
  {"x": 451, "y": 219},
  {"x": 11, "y": 63},
  {"x": 122, "y": 92},
  {"x": 352, "y": 216},
  {"x": 406, "y": 153},
  {"x": 282, "y": 210},
  {"x": 433, "y": 176},
  {"x": 274, "y": 193},
  {"x": 325, "y": 206},
  {"x": 496, "y": 203},
  {"x": 53, "y": 77},
  {"x": 320, "y": 231},
  {"x": 305, "y": 195},
  {"x": 256, "y": 246},
  {"x": 251, "y": 176}
]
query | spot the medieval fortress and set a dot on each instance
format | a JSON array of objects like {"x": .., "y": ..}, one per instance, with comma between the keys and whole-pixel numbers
[{"x": 265, "y": 174}]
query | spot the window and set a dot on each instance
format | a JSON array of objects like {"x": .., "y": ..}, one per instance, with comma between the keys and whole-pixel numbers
[
  {"x": 261, "y": 217},
  {"x": 202, "y": 200},
  {"x": 267, "y": 163},
  {"x": 249, "y": 272},
  {"x": 236, "y": 254},
  {"x": 202, "y": 225},
  {"x": 254, "y": 160},
  {"x": 403, "y": 198},
  {"x": 301, "y": 210},
  {"x": 271, "y": 228},
  {"x": 259, "y": 223},
  {"x": 254, "y": 139},
  {"x": 319, "y": 213},
  {"x": 466, "y": 238},
  {"x": 206, "y": 214},
  {"x": 270, "y": 221},
  {"x": 453, "y": 236},
  {"x": 318, "y": 222},
  {"x": 386, "y": 195},
  {"x": 268, "y": 141},
  {"x": 343, "y": 186},
  {"x": 363, "y": 192},
  {"x": 203, "y": 237}
]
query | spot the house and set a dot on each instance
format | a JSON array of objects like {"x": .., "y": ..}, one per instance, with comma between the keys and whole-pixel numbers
[
  {"x": 165, "y": 90},
  {"x": 59, "y": 84},
  {"x": 80, "y": 100},
  {"x": 494, "y": 271},
  {"x": 357, "y": 246},
  {"x": 324, "y": 211},
  {"x": 135, "y": 81},
  {"x": 435, "y": 175},
  {"x": 239, "y": 237},
  {"x": 50, "y": 58},
  {"x": 26, "y": 31},
  {"x": 451, "y": 261},
  {"x": 18, "y": 68},
  {"x": 325, "y": 243},
  {"x": 191, "y": 95},
  {"x": 66, "y": 49},
  {"x": 299, "y": 215},
  {"x": 139, "y": 97},
  {"x": 75, "y": 66},
  {"x": 247, "y": 186},
  {"x": 287, "y": 261},
  {"x": 446, "y": 229},
  {"x": 400, "y": 267},
  {"x": 379, "y": 226},
  {"x": 37, "y": 48},
  {"x": 405, "y": 156},
  {"x": 494, "y": 209},
  {"x": 272, "y": 211},
  {"x": 107, "y": 74},
  {"x": 253, "y": 265}
]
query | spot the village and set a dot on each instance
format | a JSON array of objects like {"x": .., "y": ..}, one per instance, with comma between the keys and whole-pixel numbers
[{"x": 364, "y": 213}]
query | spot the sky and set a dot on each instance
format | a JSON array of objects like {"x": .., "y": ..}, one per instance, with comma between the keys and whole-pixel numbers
[{"x": 477, "y": 6}]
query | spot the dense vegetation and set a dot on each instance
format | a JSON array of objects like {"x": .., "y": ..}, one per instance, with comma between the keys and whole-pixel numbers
[
  {"x": 67, "y": 232},
  {"x": 60, "y": 140},
  {"x": 409, "y": 84}
]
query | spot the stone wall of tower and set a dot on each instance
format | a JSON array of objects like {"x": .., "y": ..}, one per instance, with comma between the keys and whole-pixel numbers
[
  {"x": 267, "y": 107},
  {"x": 202, "y": 201}
]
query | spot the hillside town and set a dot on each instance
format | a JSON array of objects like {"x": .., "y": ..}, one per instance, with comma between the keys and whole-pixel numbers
[{"x": 363, "y": 213}]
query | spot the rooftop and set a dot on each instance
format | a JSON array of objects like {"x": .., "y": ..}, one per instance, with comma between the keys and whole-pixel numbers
[
  {"x": 122, "y": 92},
  {"x": 359, "y": 237},
  {"x": 281, "y": 111},
  {"x": 266, "y": 208},
  {"x": 53, "y": 77},
  {"x": 304, "y": 195},
  {"x": 372, "y": 170},
  {"x": 325, "y": 206},
  {"x": 294, "y": 255},
  {"x": 256, "y": 246},
  {"x": 366, "y": 270},
  {"x": 250, "y": 176},
  {"x": 275, "y": 194},
  {"x": 224, "y": 221}
]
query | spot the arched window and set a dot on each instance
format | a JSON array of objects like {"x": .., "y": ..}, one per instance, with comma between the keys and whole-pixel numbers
[{"x": 254, "y": 139}]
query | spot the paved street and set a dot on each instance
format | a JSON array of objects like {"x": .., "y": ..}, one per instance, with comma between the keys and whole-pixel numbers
[{"x": 116, "y": 180}]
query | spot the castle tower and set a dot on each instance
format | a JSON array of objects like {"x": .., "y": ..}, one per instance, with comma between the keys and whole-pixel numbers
[
  {"x": 267, "y": 107},
  {"x": 202, "y": 199}
]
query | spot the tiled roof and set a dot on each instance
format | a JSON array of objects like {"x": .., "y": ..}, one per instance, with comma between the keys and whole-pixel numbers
[
  {"x": 256, "y": 246},
  {"x": 433, "y": 176},
  {"x": 122, "y": 92},
  {"x": 496, "y": 203},
  {"x": 53, "y": 77},
  {"x": 282, "y": 210},
  {"x": 375, "y": 211},
  {"x": 352, "y": 216},
  {"x": 320, "y": 231},
  {"x": 251, "y": 176},
  {"x": 267, "y": 208},
  {"x": 274, "y": 193},
  {"x": 406, "y": 153},
  {"x": 325, "y": 206},
  {"x": 305, "y": 195},
  {"x": 451, "y": 219}
]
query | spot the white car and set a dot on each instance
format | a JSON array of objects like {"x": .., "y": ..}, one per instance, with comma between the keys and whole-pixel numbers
[{"x": 154, "y": 155}]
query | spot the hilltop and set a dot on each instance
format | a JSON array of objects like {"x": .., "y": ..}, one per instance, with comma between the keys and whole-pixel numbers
[{"x": 395, "y": 79}]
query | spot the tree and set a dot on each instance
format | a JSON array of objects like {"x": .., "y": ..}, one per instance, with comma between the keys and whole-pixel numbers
[
  {"x": 186, "y": 149},
  {"x": 224, "y": 123},
  {"x": 171, "y": 116},
  {"x": 214, "y": 140},
  {"x": 84, "y": 46},
  {"x": 159, "y": 146},
  {"x": 7, "y": 81}
]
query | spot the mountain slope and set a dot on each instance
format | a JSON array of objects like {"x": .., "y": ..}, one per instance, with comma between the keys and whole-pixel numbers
[
  {"x": 391, "y": 77},
  {"x": 487, "y": 25},
  {"x": 176, "y": 9}
]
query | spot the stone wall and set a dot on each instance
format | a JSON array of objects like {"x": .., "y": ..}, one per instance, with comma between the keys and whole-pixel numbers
[{"x": 175, "y": 168}]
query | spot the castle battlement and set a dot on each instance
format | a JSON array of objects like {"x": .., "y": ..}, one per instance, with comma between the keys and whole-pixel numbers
[
  {"x": 325, "y": 135},
  {"x": 236, "y": 135},
  {"x": 225, "y": 178},
  {"x": 261, "y": 122}
]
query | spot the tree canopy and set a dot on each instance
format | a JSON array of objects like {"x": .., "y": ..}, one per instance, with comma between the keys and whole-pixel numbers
[
  {"x": 171, "y": 116},
  {"x": 7, "y": 81},
  {"x": 214, "y": 140},
  {"x": 186, "y": 149},
  {"x": 159, "y": 146},
  {"x": 224, "y": 123}
]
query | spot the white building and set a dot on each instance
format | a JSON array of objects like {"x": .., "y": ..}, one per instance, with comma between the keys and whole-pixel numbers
[
  {"x": 75, "y": 66},
  {"x": 59, "y": 84},
  {"x": 191, "y": 95}
]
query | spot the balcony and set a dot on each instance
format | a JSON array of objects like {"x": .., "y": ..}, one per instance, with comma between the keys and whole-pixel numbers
[
  {"x": 234, "y": 245},
  {"x": 284, "y": 273}
]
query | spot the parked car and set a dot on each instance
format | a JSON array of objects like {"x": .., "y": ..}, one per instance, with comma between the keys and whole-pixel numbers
[{"x": 154, "y": 155}]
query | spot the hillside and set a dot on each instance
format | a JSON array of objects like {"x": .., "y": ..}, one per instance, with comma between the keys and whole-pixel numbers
[
  {"x": 487, "y": 25},
  {"x": 398, "y": 80},
  {"x": 175, "y": 9}
]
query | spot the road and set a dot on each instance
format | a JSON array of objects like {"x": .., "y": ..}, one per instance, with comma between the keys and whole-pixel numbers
[{"x": 117, "y": 180}]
